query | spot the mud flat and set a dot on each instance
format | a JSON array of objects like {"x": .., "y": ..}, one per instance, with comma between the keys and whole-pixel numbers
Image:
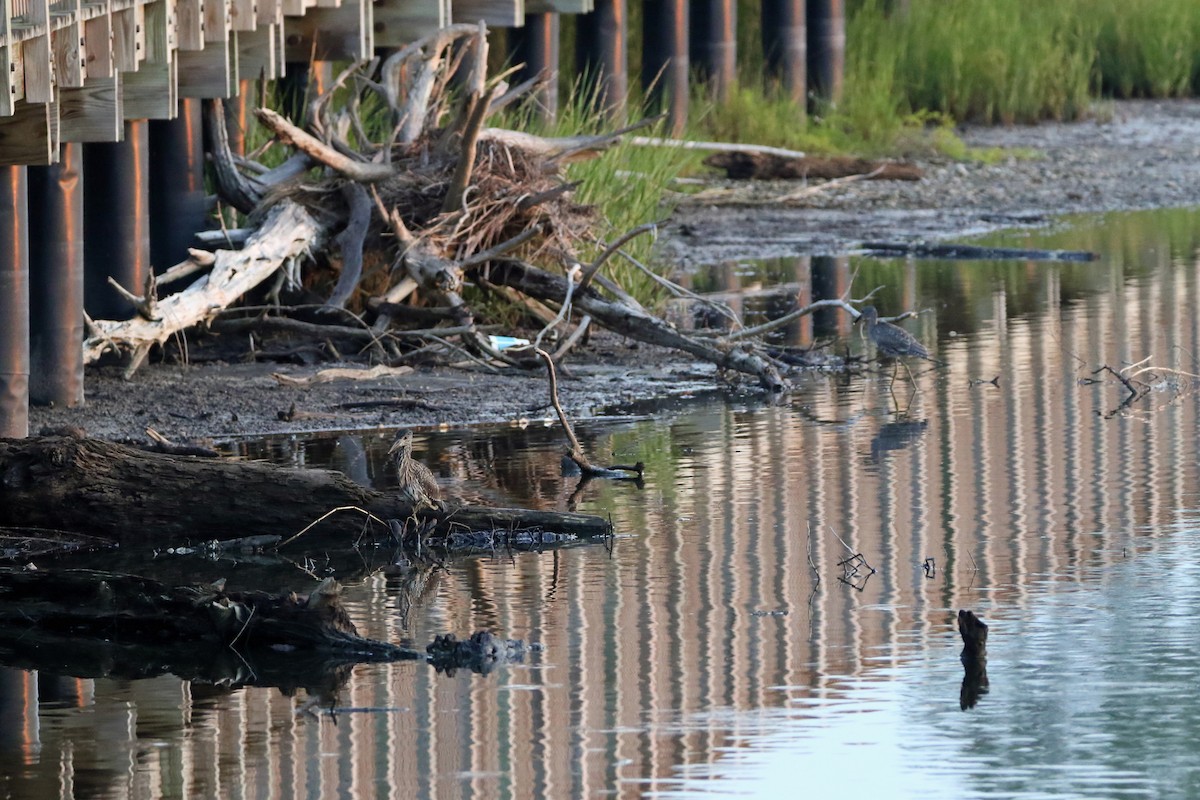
[{"x": 1133, "y": 155}]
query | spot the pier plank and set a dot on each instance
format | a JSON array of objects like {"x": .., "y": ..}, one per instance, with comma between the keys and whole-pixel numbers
[
  {"x": 35, "y": 53},
  {"x": 128, "y": 41},
  {"x": 257, "y": 56},
  {"x": 92, "y": 113},
  {"x": 97, "y": 44},
  {"x": 189, "y": 24},
  {"x": 332, "y": 34},
  {"x": 398, "y": 22},
  {"x": 66, "y": 43},
  {"x": 30, "y": 135},
  {"x": 209, "y": 73},
  {"x": 152, "y": 92},
  {"x": 504, "y": 13},
  {"x": 243, "y": 15},
  {"x": 217, "y": 21}
]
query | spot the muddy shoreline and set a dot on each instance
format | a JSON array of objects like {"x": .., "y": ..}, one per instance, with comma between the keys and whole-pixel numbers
[{"x": 1135, "y": 155}]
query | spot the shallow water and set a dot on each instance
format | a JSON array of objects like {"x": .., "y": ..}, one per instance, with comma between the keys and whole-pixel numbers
[{"x": 720, "y": 648}]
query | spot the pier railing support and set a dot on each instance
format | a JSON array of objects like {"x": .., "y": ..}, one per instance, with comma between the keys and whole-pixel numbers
[
  {"x": 14, "y": 303},
  {"x": 56, "y": 280}
]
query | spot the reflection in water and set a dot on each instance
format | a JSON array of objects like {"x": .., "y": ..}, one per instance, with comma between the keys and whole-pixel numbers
[{"x": 661, "y": 673}]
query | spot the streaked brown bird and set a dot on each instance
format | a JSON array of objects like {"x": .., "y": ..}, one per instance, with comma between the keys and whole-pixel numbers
[
  {"x": 891, "y": 341},
  {"x": 417, "y": 484}
]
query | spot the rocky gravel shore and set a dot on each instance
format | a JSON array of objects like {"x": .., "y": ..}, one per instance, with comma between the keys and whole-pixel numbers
[{"x": 1133, "y": 155}]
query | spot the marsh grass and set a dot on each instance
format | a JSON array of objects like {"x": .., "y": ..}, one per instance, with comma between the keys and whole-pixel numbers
[
  {"x": 1012, "y": 61},
  {"x": 629, "y": 186}
]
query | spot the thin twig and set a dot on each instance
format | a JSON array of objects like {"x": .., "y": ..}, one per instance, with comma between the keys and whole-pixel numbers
[
  {"x": 563, "y": 310},
  {"x": 577, "y": 454},
  {"x": 320, "y": 519},
  {"x": 649, "y": 227}
]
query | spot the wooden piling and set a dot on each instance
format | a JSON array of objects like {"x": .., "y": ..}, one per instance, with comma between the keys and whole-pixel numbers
[
  {"x": 116, "y": 221},
  {"x": 177, "y": 205},
  {"x": 536, "y": 45},
  {"x": 665, "y": 59},
  {"x": 56, "y": 280},
  {"x": 826, "y": 49},
  {"x": 785, "y": 45},
  {"x": 14, "y": 303},
  {"x": 714, "y": 44},
  {"x": 601, "y": 54}
]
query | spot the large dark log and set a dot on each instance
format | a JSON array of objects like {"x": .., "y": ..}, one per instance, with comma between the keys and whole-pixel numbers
[
  {"x": 765, "y": 166},
  {"x": 138, "y": 498}
]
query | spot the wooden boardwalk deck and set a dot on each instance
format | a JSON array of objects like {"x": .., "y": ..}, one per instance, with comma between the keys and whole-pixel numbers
[{"x": 74, "y": 70}]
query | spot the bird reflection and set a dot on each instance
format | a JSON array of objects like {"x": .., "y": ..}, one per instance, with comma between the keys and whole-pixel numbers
[{"x": 896, "y": 436}]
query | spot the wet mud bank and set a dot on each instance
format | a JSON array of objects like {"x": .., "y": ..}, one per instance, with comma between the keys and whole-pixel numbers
[{"x": 1134, "y": 155}]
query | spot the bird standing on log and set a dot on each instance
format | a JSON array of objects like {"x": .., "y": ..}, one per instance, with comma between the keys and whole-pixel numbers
[{"x": 417, "y": 484}]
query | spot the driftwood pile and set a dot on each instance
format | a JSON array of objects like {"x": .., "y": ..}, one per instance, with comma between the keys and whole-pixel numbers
[{"x": 396, "y": 195}]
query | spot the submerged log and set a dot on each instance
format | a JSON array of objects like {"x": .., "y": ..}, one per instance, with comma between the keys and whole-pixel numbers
[
  {"x": 93, "y": 624},
  {"x": 139, "y": 498},
  {"x": 969, "y": 252},
  {"x": 131, "y": 609}
]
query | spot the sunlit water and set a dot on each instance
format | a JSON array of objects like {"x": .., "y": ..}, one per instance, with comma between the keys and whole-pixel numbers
[{"x": 722, "y": 648}]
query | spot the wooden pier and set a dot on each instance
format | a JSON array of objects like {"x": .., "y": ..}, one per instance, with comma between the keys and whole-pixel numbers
[{"x": 93, "y": 88}]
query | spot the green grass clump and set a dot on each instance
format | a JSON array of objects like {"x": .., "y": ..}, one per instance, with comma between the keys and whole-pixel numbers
[
  {"x": 911, "y": 74},
  {"x": 979, "y": 60},
  {"x": 629, "y": 186}
]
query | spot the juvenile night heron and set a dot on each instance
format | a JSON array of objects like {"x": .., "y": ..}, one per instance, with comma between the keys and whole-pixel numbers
[
  {"x": 891, "y": 341},
  {"x": 417, "y": 484}
]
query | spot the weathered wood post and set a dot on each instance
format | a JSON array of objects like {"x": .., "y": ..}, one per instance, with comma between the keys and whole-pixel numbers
[
  {"x": 665, "y": 60},
  {"x": 826, "y": 49},
  {"x": 602, "y": 56},
  {"x": 116, "y": 213},
  {"x": 177, "y": 209},
  {"x": 714, "y": 44},
  {"x": 56, "y": 280},
  {"x": 537, "y": 46},
  {"x": 785, "y": 45},
  {"x": 14, "y": 304}
]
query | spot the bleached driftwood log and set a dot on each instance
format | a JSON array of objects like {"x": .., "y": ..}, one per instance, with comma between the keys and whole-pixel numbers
[{"x": 288, "y": 232}]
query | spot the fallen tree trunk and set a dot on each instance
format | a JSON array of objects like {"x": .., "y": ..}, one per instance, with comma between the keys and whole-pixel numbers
[
  {"x": 634, "y": 323},
  {"x": 289, "y": 232},
  {"x": 139, "y": 498},
  {"x": 970, "y": 252},
  {"x": 746, "y": 165}
]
